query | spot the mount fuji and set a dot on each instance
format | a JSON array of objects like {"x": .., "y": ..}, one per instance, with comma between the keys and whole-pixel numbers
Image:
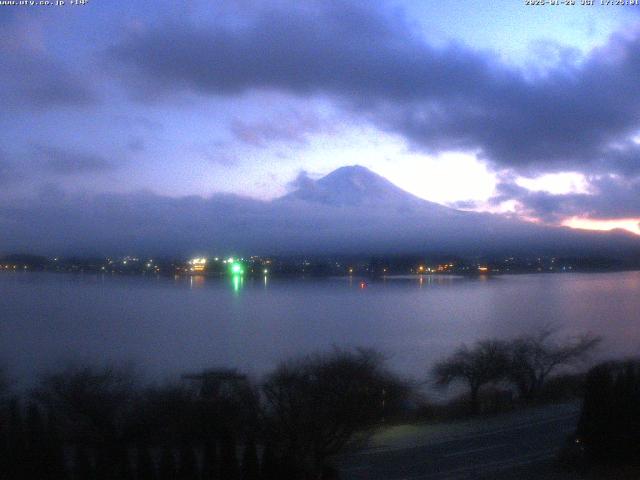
[{"x": 350, "y": 210}]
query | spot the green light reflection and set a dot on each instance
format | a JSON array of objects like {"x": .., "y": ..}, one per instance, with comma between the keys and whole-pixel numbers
[{"x": 237, "y": 282}]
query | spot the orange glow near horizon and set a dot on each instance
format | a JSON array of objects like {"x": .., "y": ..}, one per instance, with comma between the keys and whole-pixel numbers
[{"x": 630, "y": 224}]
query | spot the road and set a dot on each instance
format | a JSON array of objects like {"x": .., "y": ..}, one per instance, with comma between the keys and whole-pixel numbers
[{"x": 500, "y": 447}]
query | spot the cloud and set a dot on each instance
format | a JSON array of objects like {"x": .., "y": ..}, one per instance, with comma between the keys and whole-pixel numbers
[
  {"x": 61, "y": 161},
  {"x": 6, "y": 171},
  {"x": 216, "y": 152},
  {"x": 145, "y": 223},
  {"x": 136, "y": 145},
  {"x": 576, "y": 115},
  {"x": 292, "y": 127},
  {"x": 32, "y": 77},
  {"x": 34, "y": 80},
  {"x": 10, "y": 174},
  {"x": 302, "y": 182},
  {"x": 610, "y": 197}
]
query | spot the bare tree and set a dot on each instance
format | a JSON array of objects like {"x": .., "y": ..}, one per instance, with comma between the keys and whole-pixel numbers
[
  {"x": 479, "y": 365},
  {"x": 533, "y": 358},
  {"x": 92, "y": 402},
  {"x": 317, "y": 405}
]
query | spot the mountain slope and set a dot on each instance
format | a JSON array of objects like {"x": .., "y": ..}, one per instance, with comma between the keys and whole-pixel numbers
[
  {"x": 351, "y": 210},
  {"x": 355, "y": 186},
  {"x": 380, "y": 213}
]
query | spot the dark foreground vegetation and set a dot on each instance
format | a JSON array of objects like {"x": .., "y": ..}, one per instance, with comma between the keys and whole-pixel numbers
[
  {"x": 97, "y": 423},
  {"x": 609, "y": 427},
  {"x": 523, "y": 365},
  {"x": 104, "y": 423}
]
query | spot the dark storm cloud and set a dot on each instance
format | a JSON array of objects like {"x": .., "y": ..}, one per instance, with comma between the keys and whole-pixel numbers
[
  {"x": 609, "y": 197},
  {"x": 566, "y": 117},
  {"x": 65, "y": 161},
  {"x": 34, "y": 80}
]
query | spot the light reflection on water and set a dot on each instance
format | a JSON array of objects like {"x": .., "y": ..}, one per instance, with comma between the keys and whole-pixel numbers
[
  {"x": 196, "y": 281},
  {"x": 168, "y": 325},
  {"x": 238, "y": 282}
]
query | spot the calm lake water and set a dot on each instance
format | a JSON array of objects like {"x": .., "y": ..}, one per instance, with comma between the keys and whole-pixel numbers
[{"x": 168, "y": 326}]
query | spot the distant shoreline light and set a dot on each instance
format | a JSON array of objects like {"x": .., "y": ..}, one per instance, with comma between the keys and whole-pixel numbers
[{"x": 630, "y": 224}]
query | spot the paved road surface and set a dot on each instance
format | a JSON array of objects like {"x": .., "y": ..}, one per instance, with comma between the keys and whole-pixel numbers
[{"x": 497, "y": 448}]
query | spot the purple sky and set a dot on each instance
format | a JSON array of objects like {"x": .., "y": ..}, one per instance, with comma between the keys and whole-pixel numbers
[{"x": 491, "y": 106}]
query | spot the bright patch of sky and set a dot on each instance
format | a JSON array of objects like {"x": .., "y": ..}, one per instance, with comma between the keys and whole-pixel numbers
[
  {"x": 630, "y": 224},
  {"x": 556, "y": 183},
  {"x": 445, "y": 178},
  {"x": 516, "y": 31}
]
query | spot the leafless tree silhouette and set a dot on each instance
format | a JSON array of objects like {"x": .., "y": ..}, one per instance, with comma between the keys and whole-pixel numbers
[{"x": 485, "y": 362}]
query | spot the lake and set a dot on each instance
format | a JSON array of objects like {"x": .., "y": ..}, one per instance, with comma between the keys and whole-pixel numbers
[{"x": 168, "y": 326}]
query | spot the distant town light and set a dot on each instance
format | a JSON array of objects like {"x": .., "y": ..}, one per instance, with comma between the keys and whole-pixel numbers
[
  {"x": 237, "y": 269},
  {"x": 198, "y": 264}
]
